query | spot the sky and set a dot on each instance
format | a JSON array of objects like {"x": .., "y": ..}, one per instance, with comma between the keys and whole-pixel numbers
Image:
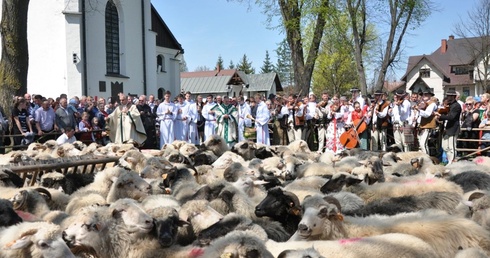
[{"x": 207, "y": 29}]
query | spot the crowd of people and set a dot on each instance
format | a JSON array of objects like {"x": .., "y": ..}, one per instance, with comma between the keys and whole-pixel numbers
[{"x": 416, "y": 121}]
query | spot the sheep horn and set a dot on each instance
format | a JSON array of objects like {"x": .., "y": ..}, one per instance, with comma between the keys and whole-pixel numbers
[
  {"x": 45, "y": 192},
  {"x": 334, "y": 201},
  {"x": 21, "y": 205}
]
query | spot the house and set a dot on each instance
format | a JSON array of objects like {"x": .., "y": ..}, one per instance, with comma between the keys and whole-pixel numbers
[
  {"x": 230, "y": 82},
  {"x": 452, "y": 66},
  {"x": 100, "y": 48}
]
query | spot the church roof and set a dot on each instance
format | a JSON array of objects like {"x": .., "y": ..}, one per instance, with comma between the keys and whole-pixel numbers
[{"x": 165, "y": 37}]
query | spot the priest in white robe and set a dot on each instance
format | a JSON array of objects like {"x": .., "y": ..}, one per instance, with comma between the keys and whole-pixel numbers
[
  {"x": 210, "y": 117},
  {"x": 226, "y": 118},
  {"x": 125, "y": 123},
  {"x": 261, "y": 120},
  {"x": 192, "y": 119},
  {"x": 166, "y": 112},
  {"x": 180, "y": 123},
  {"x": 244, "y": 112}
]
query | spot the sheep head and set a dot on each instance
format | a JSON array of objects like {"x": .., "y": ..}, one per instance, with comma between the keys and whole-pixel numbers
[
  {"x": 133, "y": 216},
  {"x": 278, "y": 204},
  {"x": 318, "y": 210}
]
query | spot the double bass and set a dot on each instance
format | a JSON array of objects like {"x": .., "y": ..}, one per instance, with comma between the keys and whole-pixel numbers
[{"x": 350, "y": 138}]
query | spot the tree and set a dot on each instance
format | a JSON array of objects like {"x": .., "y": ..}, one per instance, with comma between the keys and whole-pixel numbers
[
  {"x": 294, "y": 14},
  {"x": 401, "y": 15},
  {"x": 15, "y": 54},
  {"x": 231, "y": 65},
  {"x": 267, "y": 67},
  {"x": 202, "y": 68},
  {"x": 183, "y": 65},
  {"x": 284, "y": 66},
  {"x": 220, "y": 63},
  {"x": 245, "y": 66},
  {"x": 476, "y": 34}
]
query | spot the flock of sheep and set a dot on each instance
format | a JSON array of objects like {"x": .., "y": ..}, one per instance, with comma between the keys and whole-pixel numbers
[{"x": 249, "y": 201}]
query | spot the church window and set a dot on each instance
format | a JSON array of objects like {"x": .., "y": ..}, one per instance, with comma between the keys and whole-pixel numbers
[
  {"x": 160, "y": 63},
  {"x": 112, "y": 38}
]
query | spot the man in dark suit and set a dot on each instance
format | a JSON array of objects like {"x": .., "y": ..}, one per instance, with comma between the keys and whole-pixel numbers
[{"x": 451, "y": 127}]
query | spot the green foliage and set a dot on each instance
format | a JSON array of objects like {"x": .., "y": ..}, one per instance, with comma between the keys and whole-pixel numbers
[
  {"x": 284, "y": 68},
  {"x": 267, "y": 67},
  {"x": 231, "y": 65},
  {"x": 245, "y": 65},
  {"x": 220, "y": 63}
]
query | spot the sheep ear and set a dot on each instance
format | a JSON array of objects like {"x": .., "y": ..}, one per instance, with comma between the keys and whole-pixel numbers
[
  {"x": 285, "y": 254},
  {"x": 182, "y": 223},
  {"x": 333, "y": 185},
  {"x": 23, "y": 241},
  {"x": 468, "y": 203},
  {"x": 352, "y": 181},
  {"x": 116, "y": 213},
  {"x": 475, "y": 195}
]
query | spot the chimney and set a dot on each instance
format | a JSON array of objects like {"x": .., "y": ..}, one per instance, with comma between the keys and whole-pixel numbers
[
  {"x": 218, "y": 68},
  {"x": 443, "y": 46},
  {"x": 451, "y": 37}
]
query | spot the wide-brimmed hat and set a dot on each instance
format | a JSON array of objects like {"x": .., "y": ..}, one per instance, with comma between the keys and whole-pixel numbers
[
  {"x": 354, "y": 89},
  {"x": 429, "y": 91},
  {"x": 400, "y": 93},
  {"x": 451, "y": 93},
  {"x": 379, "y": 92}
]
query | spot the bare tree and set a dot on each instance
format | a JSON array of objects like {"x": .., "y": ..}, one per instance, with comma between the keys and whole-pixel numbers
[
  {"x": 15, "y": 56},
  {"x": 400, "y": 16},
  {"x": 476, "y": 33}
]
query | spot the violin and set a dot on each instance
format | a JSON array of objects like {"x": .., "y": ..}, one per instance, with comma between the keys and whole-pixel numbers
[
  {"x": 422, "y": 105},
  {"x": 444, "y": 109}
]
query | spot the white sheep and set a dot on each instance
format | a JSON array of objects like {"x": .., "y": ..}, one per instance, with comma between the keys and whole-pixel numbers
[
  {"x": 387, "y": 245},
  {"x": 37, "y": 240},
  {"x": 322, "y": 220},
  {"x": 237, "y": 244}
]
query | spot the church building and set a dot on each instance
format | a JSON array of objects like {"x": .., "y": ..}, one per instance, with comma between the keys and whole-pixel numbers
[{"x": 113, "y": 46}]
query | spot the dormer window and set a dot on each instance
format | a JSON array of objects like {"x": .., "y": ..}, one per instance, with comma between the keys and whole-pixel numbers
[{"x": 424, "y": 73}]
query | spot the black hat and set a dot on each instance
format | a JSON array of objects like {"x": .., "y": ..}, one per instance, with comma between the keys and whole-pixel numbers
[
  {"x": 429, "y": 91},
  {"x": 451, "y": 93},
  {"x": 400, "y": 93},
  {"x": 271, "y": 96},
  {"x": 354, "y": 89},
  {"x": 378, "y": 92}
]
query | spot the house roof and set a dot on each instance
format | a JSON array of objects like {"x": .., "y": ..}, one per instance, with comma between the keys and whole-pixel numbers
[
  {"x": 165, "y": 37},
  {"x": 206, "y": 84},
  {"x": 263, "y": 82},
  {"x": 459, "y": 52}
]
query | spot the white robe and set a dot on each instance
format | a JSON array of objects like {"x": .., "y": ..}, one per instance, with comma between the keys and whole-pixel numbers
[
  {"x": 261, "y": 123},
  {"x": 193, "y": 118},
  {"x": 210, "y": 125},
  {"x": 243, "y": 121},
  {"x": 166, "y": 122},
  {"x": 180, "y": 122}
]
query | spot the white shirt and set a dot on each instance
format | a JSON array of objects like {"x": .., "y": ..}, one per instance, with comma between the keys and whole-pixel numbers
[{"x": 64, "y": 139}]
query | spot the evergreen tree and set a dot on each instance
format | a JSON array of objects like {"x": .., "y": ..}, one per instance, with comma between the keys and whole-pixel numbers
[
  {"x": 245, "y": 66},
  {"x": 267, "y": 67},
  {"x": 231, "y": 65},
  {"x": 220, "y": 63},
  {"x": 284, "y": 67}
]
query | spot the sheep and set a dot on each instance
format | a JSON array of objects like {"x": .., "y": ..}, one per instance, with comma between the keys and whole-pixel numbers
[
  {"x": 370, "y": 193},
  {"x": 482, "y": 161},
  {"x": 216, "y": 144},
  {"x": 236, "y": 170},
  {"x": 133, "y": 160},
  {"x": 322, "y": 220},
  {"x": 82, "y": 201},
  {"x": 386, "y": 245},
  {"x": 10, "y": 179},
  {"x": 166, "y": 226},
  {"x": 110, "y": 231},
  {"x": 445, "y": 201},
  {"x": 203, "y": 157},
  {"x": 69, "y": 182},
  {"x": 281, "y": 206},
  {"x": 245, "y": 149},
  {"x": 182, "y": 184},
  {"x": 252, "y": 188},
  {"x": 479, "y": 203},
  {"x": 8, "y": 216},
  {"x": 128, "y": 185},
  {"x": 33, "y": 201},
  {"x": 472, "y": 180},
  {"x": 160, "y": 200},
  {"x": 38, "y": 239},
  {"x": 315, "y": 169},
  {"x": 471, "y": 253},
  {"x": 231, "y": 222},
  {"x": 300, "y": 253},
  {"x": 371, "y": 171},
  {"x": 237, "y": 244},
  {"x": 200, "y": 214}
]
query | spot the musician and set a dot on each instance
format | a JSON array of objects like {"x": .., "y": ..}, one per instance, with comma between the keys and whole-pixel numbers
[
  {"x": 427, "y": 124},
  {"x": 243, "y": 121},
  {"x": 335, "y": 127},
  {"x": 296, "y": 118},
  {"x": 451, "y": 128},
  {"x": 400, "y": 115},
  {"x": 280, "y": 114},
  {"x": 380, "y": 121},
  {"x": 322, "y": 122},
  {"x": 359, "y": 115}
]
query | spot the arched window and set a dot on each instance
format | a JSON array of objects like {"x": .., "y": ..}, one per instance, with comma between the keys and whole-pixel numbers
[
  {"x": 160, "y": 63},
  {"x": 160, "y": 93},
  {"x": 112, "y": 38}
]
